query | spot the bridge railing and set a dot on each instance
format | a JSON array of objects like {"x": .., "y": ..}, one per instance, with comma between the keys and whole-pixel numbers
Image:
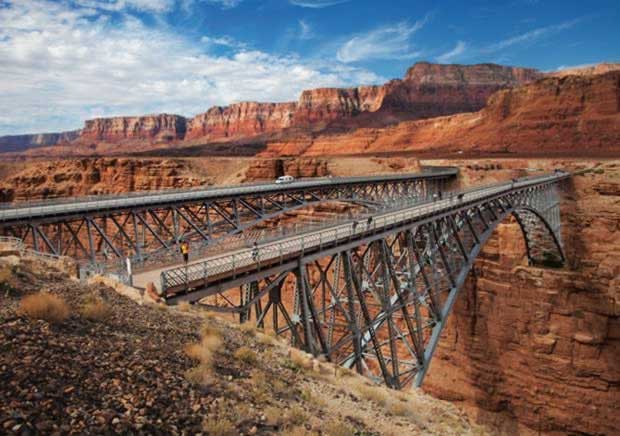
[
  {"x": 30, "y": 208},
  {"x": 235, "y": 263}
]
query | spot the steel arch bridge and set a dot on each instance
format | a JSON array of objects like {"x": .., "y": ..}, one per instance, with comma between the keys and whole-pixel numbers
[
  {"x": 374, "y": 296},
  {"x": 139, "y": 225}
]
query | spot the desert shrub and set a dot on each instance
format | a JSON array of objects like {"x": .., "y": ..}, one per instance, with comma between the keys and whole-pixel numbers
[
  {"x": 248, "y": 328},
  {"x": 246, "y": 354},
  {"x": 203, "y": 352},
  {"x": 296, "y": 416},
  {"x": 45, "y": 306},
  {"x": 219, "y": 427},
  {"x": 335, "y": 428},
  {"x": 273, "y": 415},
  {"x": 184, "y": 306},
  {"x": 367, "y": 392},
  {"x": 300, "y": 358},
  {"x": 96, "y": 310}
]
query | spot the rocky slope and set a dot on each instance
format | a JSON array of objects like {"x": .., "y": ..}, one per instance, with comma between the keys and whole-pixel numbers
[
  {"x": 147, "y": 369},
  {"x": 14, "y": 143},
  {"x": 571, "y": 114}
]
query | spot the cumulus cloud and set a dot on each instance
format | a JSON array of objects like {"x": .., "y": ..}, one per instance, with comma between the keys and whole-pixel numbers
[
  {"x": 457, "y": 51},
  {"x": 388, "y": 42},
  {"x": 317, "y": 4},
  {"x": 61, "y": 65}
]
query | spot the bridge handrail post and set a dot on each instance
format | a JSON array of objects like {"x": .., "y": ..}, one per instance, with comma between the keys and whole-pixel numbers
[
  {"x": 280, "y": 249},
  {"x": 233, "y": 266}
]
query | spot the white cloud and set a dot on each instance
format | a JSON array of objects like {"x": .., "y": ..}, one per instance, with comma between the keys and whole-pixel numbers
[
  {"x": 155, "y": 6},
  {"x": 225, "y": 4},
  {"x": 387, "y": 42},
  {"x": 305, "y": 30},
  {"x": 225, "y": 41},
  {"x": 317, "y": 4},
  {"x": 458, "y": 50},
  {"x": 531, "y": 36},
  {"x": 61, "y": 65}
]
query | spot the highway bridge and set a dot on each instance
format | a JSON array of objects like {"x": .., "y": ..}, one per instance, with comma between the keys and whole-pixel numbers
[
  {"x": 139, "y": 225},
  {"x": 371, "y": 294}
]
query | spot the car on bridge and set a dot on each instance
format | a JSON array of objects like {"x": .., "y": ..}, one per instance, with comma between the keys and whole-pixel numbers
[{"x": 285, "y": 179}]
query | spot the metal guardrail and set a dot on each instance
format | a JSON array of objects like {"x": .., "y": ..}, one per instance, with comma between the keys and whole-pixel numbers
[
  {"x": 21, "y": 247},
  {"x": 233, "y": 263},
  {"x": 85, "y": 204}
]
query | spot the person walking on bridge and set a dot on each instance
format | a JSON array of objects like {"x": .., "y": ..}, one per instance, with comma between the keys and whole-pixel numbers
[
  {"x": 185, "y": 251},
  {"x": 255, "y": 252}
]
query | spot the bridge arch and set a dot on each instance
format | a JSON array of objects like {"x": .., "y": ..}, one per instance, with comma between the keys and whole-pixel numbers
[{"x": 378, "y": 298}]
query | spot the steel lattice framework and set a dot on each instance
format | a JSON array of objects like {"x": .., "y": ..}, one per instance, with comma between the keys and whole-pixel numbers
[
  {"x": 374, "y": 296},
  {"x": 137, "y": 225}
]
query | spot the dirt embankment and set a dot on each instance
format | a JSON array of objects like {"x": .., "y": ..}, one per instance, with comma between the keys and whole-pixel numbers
[{"x": 108, "y": 363}]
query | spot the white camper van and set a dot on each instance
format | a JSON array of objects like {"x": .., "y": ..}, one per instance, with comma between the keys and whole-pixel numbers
[{"x": 284, "y": 179}]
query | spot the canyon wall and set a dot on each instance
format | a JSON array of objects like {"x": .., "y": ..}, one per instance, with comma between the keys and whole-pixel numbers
[
  {"x": 427, "y": 90},
  {"x": 66, "y": 178},
  {"x": 241, "y": 119},
  {"x": 430, "y": 90},
  {"x": 158, "y": 127},
  {"x": 14, "y": 143},
  {"x": 571, "y": 114},
  {"x": 532, "y": 350}
]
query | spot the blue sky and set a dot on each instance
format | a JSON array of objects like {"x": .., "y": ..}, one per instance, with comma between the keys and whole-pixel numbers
[{"x": 68, "y": 60}]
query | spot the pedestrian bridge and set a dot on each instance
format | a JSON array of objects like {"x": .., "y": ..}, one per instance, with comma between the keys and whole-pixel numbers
[{"x": 372, "y": 295}]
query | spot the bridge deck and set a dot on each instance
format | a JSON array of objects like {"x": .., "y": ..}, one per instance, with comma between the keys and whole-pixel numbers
[
  {"x": 214, "y": 269},
  {"x": 81, "y": 205}
]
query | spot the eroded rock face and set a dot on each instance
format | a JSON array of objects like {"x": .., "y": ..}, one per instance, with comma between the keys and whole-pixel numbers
[
  {"x": 270, "y": 169},
  {"x": 330, "y": 104},
  {"x": 242, "y": 119},
  {"x": 430, "y": 90},
  {"x": 540, "y": 346},
  {"x": 65, "y": 178},
  {"x": 160, "y": 127},
  {"x": 572, "y": 114}
]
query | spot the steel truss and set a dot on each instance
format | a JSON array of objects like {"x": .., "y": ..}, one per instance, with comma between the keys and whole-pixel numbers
[
  {"x": 379, "y": 302},
  {"x": 140, "y": 231}
]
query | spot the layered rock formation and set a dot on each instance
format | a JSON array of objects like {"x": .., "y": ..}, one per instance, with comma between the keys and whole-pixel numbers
[
  {"x": 574, "y": 114},
  {"x": 430, "y": 90},
  {"x": 159, "y": 127},
  {"x": 66, "y": 178},
  {"x": 330, "y": 104},
  {"x": 241, "y": 119},
  {"x": 589, "y": 70},
  {"x": 14, "y": 143}
]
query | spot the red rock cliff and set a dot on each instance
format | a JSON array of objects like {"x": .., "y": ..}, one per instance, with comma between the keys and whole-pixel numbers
[
  {"x": 329, "y": 104},
  {"x": 572, "y": 114},
  {"x": 430, "y": 90},
  {"x": 160, "y": 127},
  {"x": 241, "y": 119},
  {"x": 541, "y": 346}
]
